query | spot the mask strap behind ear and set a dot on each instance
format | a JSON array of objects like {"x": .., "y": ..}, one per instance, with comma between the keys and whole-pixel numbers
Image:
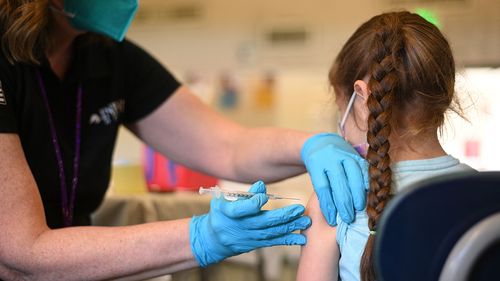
[
  {"x": 61, "y": 12},
  {"x": 348, "y": 109}
]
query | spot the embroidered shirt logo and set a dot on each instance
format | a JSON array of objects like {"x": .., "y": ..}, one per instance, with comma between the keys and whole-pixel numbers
[
  {"x": 3, "y": 100},
  {"x": 108, "y": 114}
]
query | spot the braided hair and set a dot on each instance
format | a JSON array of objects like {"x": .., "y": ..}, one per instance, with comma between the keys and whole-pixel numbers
[
  {"x": 387, "y": 48},
  {"x": 411, "y": 77}
]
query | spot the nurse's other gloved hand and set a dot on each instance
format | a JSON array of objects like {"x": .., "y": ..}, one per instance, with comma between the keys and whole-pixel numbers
[
  {"x": 339, "y": 176},
  {"x": 232, "y": 228}
]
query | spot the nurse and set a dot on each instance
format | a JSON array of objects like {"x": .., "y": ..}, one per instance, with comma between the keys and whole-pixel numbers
[{"x": 68, "y": 80}]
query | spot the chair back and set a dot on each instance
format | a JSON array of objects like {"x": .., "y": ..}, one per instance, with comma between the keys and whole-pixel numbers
[{"x": 423, "y": 223}]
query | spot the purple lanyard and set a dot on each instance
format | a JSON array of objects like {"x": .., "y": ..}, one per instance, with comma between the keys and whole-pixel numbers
[{"x": 67, "y": 207}]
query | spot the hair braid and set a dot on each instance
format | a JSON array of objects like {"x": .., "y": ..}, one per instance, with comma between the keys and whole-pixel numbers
[{"x": 383, "y": 83}]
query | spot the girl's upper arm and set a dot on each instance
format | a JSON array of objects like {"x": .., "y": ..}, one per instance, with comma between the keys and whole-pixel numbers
[{"x": 319, "y": 257}]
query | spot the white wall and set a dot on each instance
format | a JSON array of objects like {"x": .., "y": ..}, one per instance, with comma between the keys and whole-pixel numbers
[
  {"x": 224, "y": 27},
  {"x": 480, "y": 96}
]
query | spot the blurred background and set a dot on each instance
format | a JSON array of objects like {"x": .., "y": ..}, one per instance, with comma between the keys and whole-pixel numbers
[
  {"x": 274, "y": 56},
  {"x": 265, "y": 63}
]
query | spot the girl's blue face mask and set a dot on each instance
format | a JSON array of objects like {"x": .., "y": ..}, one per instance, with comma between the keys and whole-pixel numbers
[
  {"x": 107, "y": 17},
  {"x": 361, "y": 148}
]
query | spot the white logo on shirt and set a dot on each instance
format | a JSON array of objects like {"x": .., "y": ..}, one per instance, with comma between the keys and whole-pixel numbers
[
  {"x": 108, "y": 114},
  {"x": 3, "y": 101}
]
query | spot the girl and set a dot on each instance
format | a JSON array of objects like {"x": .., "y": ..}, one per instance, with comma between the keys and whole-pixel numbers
[{"x": 393, "y": 82}]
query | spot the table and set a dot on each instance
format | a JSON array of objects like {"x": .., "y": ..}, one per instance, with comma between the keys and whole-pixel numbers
[{"x": 129, "y": 209}]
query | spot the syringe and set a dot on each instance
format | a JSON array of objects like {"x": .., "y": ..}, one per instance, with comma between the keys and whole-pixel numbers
[{"x": 233, "y": 195}]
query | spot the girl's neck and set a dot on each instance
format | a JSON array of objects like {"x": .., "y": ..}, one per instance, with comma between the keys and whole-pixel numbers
[{"x": 424, "y": 146}]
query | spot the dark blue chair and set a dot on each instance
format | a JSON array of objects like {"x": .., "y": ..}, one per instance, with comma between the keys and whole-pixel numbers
[{"x": 442, "y": 229}]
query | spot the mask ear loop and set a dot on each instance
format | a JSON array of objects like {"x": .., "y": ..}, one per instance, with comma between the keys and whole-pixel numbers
[
  {"x": 61, "y": 12},
  {"x": 346, "y": 113}
]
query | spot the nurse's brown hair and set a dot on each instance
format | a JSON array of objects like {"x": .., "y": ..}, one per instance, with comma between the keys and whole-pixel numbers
[
  {"x": 24, "y": 29},
  {"x": 411, "y": 77}
]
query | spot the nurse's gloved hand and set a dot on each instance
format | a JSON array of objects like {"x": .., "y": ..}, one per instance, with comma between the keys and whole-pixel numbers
[
  {"x": 232, "y": 228},
  {"x": 339, "y": 176}
]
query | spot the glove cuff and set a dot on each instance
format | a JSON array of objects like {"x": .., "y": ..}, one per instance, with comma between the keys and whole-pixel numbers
[
  {"x": 312, "y": 141},
  {"x": 196, "y": 240}
]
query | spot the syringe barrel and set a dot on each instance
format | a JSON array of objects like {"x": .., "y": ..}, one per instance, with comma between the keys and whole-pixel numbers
[{"x": 215, "y": 191}]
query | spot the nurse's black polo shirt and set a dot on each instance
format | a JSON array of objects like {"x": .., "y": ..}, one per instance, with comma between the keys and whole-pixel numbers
[{"x": 121, "y": 84}]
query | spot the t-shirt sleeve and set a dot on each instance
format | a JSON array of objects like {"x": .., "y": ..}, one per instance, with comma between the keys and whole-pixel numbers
[
  {"x": 8, "y": 123},
  {"x": 148, "y": 82}
]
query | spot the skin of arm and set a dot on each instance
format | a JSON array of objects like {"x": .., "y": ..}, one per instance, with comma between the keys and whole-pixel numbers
[
  {"x": 189, "y": 132},
  {"x": 319, "y": 258},
  {"x": 29, "y": 250}
]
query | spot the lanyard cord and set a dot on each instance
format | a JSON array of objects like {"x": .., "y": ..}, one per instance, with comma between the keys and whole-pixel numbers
[{"x": 67, "y": 207}]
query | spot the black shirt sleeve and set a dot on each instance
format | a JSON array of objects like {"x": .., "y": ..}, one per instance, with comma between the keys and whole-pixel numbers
[
  {"x": 148, "y": 83},
  {"x": 8, "y": 123}
]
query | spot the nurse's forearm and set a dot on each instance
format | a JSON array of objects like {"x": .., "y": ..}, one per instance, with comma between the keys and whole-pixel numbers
[
  {"x": 29, "y": 250},
  {"x": 97, "y": 253},
  {"x": 189, "y": 132},
  {"x": 270, "y": 154}
]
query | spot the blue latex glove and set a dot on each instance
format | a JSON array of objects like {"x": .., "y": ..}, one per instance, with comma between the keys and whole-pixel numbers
[
  {"x": 339, "y": 176},
  {"x": 232, "y": 228}
]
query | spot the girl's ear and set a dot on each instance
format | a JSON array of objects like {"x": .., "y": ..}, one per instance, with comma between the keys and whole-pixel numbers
[{"x": 361, "y": 89}]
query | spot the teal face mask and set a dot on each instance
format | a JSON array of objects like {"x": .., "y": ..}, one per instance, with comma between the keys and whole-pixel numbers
[{"x": 108, "y": 17}]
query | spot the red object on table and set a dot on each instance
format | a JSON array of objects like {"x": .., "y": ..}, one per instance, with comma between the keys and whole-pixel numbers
[{"x": 163, "y": 175}]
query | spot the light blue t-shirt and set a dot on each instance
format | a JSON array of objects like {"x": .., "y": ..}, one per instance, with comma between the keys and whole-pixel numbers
[{"x": 352, "y": 238}]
